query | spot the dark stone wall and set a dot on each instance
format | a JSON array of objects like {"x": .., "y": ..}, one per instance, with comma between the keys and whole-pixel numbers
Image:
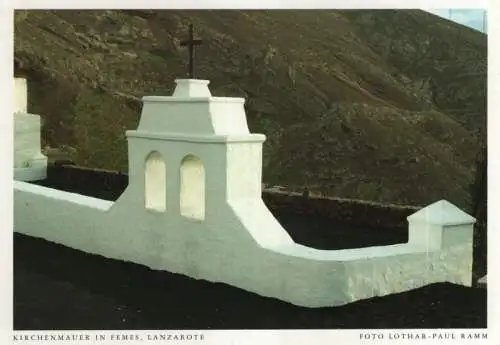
[
  {"x": 110, "y": 185},
  {"x": 323, "y": 223},
  {"x": 352, "y": 212},
  {"x": 98, "y": 183}
]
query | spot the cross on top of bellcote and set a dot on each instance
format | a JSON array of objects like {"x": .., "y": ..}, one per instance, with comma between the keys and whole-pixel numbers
[{"x": 191, "y": 42}]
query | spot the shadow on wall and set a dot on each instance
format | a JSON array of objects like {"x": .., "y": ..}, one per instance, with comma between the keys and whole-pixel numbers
[
  {"x": 155, "y": 182},
  {"x": 192, "y": 184}
]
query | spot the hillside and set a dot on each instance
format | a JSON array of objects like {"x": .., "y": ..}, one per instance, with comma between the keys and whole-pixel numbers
[{"x": 379, "y": 105}]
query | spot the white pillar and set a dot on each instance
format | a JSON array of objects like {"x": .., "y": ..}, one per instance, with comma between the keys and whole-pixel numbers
[
  {"x": 29, "y": 162},
  {"x": 440, "y": 225}
]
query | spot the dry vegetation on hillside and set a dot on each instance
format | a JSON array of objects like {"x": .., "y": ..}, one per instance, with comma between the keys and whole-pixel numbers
[{"x": 380, "y": 105}]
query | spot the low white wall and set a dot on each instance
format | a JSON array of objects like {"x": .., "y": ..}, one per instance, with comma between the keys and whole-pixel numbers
[
  {"x": 193, "y": 140},
  {"x": 253, "y": 253},
  {"x": 61, "y": 217}
]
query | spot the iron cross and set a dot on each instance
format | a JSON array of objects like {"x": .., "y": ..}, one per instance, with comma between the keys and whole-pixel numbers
[{"x": 191, "y": 43}]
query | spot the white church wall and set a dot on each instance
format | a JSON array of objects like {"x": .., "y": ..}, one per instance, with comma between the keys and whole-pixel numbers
[
  {"x": 244, "y": 170},
  {"x": 231, "y": 236},
  {"x": 66, "y": 218},
  {"x": 221, "y": 249},
  {"x": 202, "y": 250}
]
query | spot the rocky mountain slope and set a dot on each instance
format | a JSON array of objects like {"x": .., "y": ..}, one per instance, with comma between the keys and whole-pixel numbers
[{"x": 371, "y": 104}]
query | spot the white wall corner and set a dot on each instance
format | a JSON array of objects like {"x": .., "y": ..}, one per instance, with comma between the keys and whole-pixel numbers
[
  {"x": 439, "y": 225},
  {"x": 21, "y": 95}
]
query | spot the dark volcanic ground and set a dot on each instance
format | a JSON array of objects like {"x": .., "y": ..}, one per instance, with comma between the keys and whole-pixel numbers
[{"x": 59, "y": 288}]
